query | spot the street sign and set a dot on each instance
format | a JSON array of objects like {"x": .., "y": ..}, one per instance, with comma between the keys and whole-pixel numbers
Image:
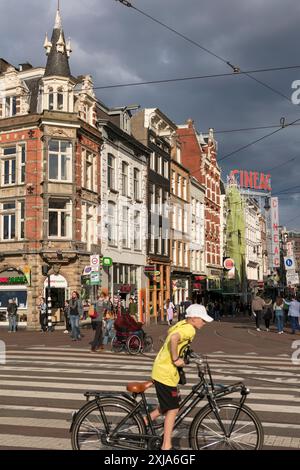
[
  {"x": 95, "y": 260},
  {"x": 292, "y": 279},
  {"x": 95, "y": 278},
  {"x": 106, "y": 261},
  {"x": 289, "y": 263},
  {"x": 87, "y": 270}
]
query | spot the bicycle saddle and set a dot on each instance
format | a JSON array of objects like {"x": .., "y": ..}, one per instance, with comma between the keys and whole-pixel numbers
[{"x": 138, "y": 387}]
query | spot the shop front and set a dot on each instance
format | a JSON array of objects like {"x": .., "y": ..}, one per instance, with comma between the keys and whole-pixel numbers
[
  {"x": 180, "y": 288},
  {"x": 158, "y": 290},
  {"x": 14, "y": 285},
  {"x": 199, "y": 287}
]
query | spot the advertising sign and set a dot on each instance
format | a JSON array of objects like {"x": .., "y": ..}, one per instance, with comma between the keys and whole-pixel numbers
[
  {"x": 251, "y": 179},
  {"x": 292, "y": 278},
  {"x": 228, "y": 263},
  {"x": 275, "y": 232}
]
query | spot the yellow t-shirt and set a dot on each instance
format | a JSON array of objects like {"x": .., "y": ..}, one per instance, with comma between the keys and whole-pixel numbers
[{"x": 164, "y": 371}]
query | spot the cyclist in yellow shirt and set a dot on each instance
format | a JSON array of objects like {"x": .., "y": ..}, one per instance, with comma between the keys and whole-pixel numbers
[{"x": 165, "y": 373}]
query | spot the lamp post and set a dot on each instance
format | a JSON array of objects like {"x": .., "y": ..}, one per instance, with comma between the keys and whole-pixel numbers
[{"x": 49, "y": 305}]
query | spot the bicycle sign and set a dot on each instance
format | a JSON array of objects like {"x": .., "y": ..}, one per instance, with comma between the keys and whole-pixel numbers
[{"x": 289, "y": 262}]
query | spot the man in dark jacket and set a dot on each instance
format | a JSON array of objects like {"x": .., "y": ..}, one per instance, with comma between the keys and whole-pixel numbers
[{"x": 12, "y": 316}]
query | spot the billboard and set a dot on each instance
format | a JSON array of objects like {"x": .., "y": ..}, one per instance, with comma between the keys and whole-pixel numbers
[
  {"x": 251, "y": 179},
  {"x": 275, "y": 232}
]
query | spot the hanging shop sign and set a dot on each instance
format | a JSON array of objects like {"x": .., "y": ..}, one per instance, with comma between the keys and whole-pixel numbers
[
  {"x": 228, "y": 263},
  {"x": 251, "y": 179},
  {"x": 275, "y": 232}
]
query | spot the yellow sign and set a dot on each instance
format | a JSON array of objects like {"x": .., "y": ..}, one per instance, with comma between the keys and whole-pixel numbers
[{"x": 27, "y": 274}]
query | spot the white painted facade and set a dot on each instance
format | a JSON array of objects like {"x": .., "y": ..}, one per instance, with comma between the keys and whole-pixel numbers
[
  {"x": 124, "y": 214},
  {"x": 197, "y": 224},
  {"x": 253, "y": 239}
]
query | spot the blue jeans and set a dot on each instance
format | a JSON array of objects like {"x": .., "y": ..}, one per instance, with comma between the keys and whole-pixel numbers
[
  {"x": 12, "y": 323},
  {"x": 279, "y": 321},
  {"x": 295, "y": 324},
  {"x": 74, "y": 320}
]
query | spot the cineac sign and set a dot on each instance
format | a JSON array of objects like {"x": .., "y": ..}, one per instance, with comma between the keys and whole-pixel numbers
[{"x": 251, "y": 179}]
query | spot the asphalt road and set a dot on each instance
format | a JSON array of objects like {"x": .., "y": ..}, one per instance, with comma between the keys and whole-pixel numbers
[{"x": 45, "y": 375}]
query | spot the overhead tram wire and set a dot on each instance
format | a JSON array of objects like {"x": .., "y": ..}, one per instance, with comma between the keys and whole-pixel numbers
[
  {"x": 283, "y": 126},
  {"x": 182, "y": 79},
  {"x": 237, "y": 70}
]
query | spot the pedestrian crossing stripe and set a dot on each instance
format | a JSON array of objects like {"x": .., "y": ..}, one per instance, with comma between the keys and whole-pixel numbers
[{"x": 69, "y": 372}]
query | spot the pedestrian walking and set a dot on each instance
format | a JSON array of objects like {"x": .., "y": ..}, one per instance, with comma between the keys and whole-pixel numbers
[
  {"x": 257, "y": 308},
  {"x": 268, "y": 313},
  {"x": 183, "y": 308},
  {"x": 165, "y": 372},
  {"x": 170, "y": 311},
  {"x": 66, "y": 311},
  {"x": 12, "y": 316},
  {"x": 76, "y": 310},
  {"x": 43, "y": 314},
  {"x": 294, "y": 314},
  {"x": 103, "y": 305},
  {"x": 278, "y": 308},
  {"x": 133, "y": 310}
]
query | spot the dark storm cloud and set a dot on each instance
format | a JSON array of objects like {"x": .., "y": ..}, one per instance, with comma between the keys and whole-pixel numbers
[{"x": 116, "y": 44}]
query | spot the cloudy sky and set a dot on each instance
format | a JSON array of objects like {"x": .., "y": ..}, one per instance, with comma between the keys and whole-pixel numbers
[{"x": 119, "y": 45}]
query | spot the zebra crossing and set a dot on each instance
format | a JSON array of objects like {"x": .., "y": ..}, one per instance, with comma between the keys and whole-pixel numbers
[{"x": 41, "y": 387}]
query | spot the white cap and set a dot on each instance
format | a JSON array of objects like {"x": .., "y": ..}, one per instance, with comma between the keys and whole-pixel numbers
[{"x": 198, "y": 311}]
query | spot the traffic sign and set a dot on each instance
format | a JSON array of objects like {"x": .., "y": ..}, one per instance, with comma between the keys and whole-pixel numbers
[
  {"x": 95, "y": 260},
  {"x": 106, "y": 261},
  {"x": 292, "y": 279},
  {"x": 95, "y": 279},
  {"x": 289, "y": 262},
  {"x": 87, "y": 270}
]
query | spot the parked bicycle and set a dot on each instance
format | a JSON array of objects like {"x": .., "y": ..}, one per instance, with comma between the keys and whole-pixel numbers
[
  {"x": 116, "y": 420},
  {"x": 132, "y": 342}
]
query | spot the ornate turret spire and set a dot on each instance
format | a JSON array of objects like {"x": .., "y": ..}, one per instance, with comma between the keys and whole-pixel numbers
[{"x": 57, "y": 51}]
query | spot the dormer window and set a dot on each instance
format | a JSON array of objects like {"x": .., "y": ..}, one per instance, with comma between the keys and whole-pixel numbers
[
  {"x": 10, "y": 106},
  {"x": 51, "y": 99},
  {"x": 60, "y": 99},
  {"x": 55, "y": 99}
]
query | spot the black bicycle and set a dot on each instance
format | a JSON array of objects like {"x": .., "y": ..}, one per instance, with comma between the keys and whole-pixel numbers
[{"x": 116, "y": 420}]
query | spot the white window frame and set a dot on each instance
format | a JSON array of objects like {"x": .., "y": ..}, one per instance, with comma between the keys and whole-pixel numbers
[
  {"x": 125, "y": 178},
  {"x": 19, "y": 159},
  {"x": 111, "y": 222},
  {"x": 125, "y": 227},
  {"x": 137, "y": 241},
  {"x": 89, "y": 170},
  {"x": 89, "y": 224},
  {"x": 111, "y": 172},
  {"x": 9, "y": 106},
  {"x": 136, "y": 184},
  {"x": 11, "y": 215},
  {"x": 60, "y": 155},
  {"x": 60, "y": 211}
]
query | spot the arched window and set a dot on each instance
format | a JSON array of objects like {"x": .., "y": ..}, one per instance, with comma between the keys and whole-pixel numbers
[
  {"x": 51, "y": 99},
  {"x": 60, "y": 99}
]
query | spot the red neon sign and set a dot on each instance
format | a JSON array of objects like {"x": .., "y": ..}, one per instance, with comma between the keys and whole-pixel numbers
[{"x": 252, "y": 179}]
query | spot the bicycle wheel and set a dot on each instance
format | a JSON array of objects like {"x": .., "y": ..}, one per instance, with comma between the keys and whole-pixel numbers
[
  {"x": 207, "y": 434},
  {"x": 90, "y": 432},
  {"x": 134, "y": 344},
  {"x": 116, "y": 345},
  {"x": 148, "y": 344}
]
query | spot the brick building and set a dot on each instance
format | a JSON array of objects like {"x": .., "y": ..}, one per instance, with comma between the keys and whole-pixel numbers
[
  {"x": 199, "y": 155},
  {"x": 50, "y": 179}
]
